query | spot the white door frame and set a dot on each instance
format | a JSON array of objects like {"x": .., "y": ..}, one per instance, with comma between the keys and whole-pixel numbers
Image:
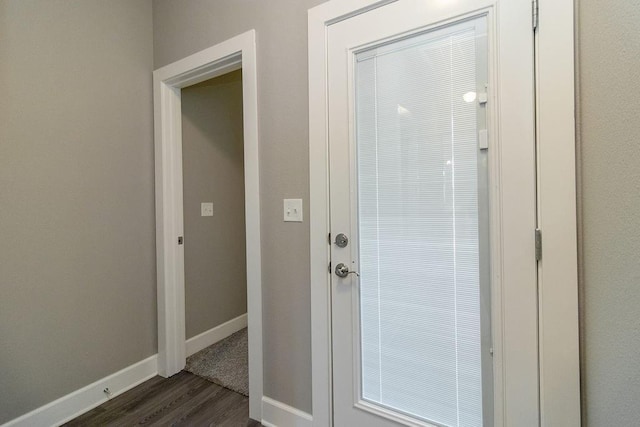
[
  {"x": 235, "y": 53},
  {"x": 556, "y": 204}
]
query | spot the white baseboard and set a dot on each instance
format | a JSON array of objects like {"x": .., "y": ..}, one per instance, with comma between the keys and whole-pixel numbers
[
  {"x": 213, "y": 335},
  {"x": 277, "y": 414},
  {"x": 80, "y": 401}
]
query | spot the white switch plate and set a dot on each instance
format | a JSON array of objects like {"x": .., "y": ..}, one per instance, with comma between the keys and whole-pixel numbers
[
  {"x": 206, "y": 209},
  {"x": 293, "y": 210}
]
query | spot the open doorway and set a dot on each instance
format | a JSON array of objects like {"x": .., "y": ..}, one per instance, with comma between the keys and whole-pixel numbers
[
  {"x": 177, "y": 337},
  {"x": 214, "y": 232}
]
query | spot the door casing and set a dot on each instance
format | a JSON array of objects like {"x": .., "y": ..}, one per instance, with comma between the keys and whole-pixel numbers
[
  {"x": 559, "y": 390},
  {"x": 235, "y": 53}
]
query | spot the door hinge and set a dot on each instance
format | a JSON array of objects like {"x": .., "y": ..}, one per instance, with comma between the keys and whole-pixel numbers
[
  {"x": 329, "y": 266},
  {"x": 534, "y": 14},
  {"x": 329, "y": 239},
  {"x": 538, "y": 244}
]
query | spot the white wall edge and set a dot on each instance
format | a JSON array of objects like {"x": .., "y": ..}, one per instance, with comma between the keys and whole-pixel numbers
[
  {"x": 277, "y": 414},
  {"x": 82, "y": 400},
  {"x": 215, "y": 334}
]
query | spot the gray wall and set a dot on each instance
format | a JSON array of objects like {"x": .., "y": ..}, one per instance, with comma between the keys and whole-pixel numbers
[
  {"x": 185, "y": 27},
  {"x": 77, "y": 253},
  {"x": 213, "y": 171},
  {"x": 609, "y": 130}
]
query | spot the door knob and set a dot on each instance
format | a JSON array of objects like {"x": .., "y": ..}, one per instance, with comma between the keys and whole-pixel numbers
[{"x": 343, "y": 271}]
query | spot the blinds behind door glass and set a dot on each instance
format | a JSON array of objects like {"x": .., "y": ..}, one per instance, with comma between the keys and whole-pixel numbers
[{"x": 417, "y": 159}]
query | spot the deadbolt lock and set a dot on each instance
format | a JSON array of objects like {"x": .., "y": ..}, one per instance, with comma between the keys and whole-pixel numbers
[{"x": 341, "y": 240}]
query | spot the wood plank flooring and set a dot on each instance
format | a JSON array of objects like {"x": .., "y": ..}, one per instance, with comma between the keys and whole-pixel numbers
[{"x": 182, "y": 400}]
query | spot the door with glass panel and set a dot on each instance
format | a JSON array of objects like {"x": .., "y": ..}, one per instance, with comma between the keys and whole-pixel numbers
[{"x": 432, "y": 198}]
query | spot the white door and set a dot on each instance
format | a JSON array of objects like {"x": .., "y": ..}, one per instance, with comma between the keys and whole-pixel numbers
[{"x": 432, "y": 196}]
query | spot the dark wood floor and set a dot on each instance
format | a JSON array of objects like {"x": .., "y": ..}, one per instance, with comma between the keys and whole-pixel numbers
[{"x": 182, "y": 400}]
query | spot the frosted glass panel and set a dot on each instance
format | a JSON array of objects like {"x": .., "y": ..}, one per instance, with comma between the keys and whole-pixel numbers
[{"x": 419, "y": 228}]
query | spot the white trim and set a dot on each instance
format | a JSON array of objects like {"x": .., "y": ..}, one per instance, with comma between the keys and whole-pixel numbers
[
  {"x": 237, "y": 52},
  {"x": 318, "y": 19},
  {"x": 82, "y": 400},
  {"x": 277, "y": 414},
  {"x": 215, "y": 334},
  {"x": 558, "y": 273}
]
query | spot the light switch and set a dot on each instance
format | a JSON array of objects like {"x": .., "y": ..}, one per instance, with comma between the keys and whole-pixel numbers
[
  {"x": 293, "y": 210},
  {"x": 206, "y": 209}
]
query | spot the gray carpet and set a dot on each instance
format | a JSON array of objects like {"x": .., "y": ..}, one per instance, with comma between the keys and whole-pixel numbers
[{"x": 224, "y": 363}]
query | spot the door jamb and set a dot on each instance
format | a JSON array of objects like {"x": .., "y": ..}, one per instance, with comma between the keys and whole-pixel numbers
[
  {"x": 235, "y": 53},
  {"x": 557, "y": 216},
  {"x": 558, "y": 301}
]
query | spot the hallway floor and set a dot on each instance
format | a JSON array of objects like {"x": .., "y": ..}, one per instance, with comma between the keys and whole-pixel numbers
[{"x": 182, "y": 400}]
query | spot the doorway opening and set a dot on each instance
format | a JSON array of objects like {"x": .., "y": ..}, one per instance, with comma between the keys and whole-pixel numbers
[
  {"x": 214, "y": 232},
  {"x": 182, "y": 211}
]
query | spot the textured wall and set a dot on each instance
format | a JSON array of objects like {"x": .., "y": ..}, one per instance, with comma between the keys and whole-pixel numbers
[
  {"x": 184, "y": 27},
  {"x": 213, "y": 171},
  {"x": 77, "y": 258},
  {"x": 609, "y": 129}
]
